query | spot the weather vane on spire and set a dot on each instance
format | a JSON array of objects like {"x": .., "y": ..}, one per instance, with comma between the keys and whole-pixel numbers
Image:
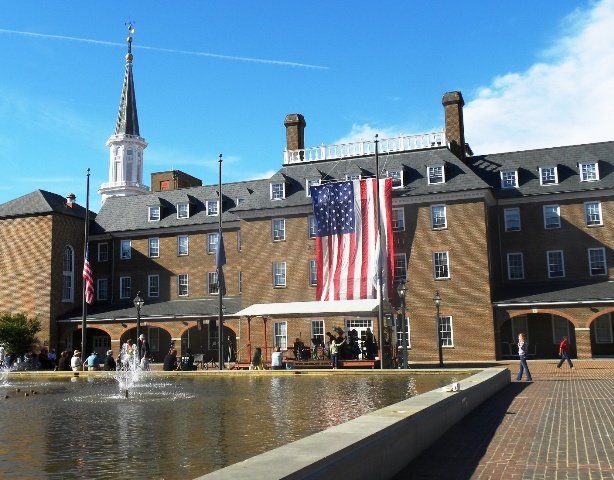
[{"x": 130, "y": 25}]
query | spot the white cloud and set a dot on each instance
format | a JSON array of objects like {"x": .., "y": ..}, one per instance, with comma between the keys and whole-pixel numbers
[
  {"x": 564, "y": 100},
  {"x": 366, "y": 132}
]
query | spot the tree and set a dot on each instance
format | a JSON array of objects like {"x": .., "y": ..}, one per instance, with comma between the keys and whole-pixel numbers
[{"x": 18, "y": 332}]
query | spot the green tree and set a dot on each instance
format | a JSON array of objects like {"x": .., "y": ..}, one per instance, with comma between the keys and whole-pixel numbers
[{"x": 18, "y": 332}]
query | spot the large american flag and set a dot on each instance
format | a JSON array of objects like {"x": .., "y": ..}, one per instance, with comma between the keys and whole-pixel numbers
[
  {"x": 88, "y": 277},
  {"x": 348, "y": 248}
]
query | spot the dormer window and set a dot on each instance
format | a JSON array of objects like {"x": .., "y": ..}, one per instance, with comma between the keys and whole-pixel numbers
[
  {"x": 548, "y": 176},
  {"x": 278, "y": 191},
  {"x": 183, "y": 210},
  {"x": 509, "y": 179},
  {"x": 212, "y": 208},
  {"x": 153, "y": 214},
  {"x": 352, "y": 176},
  {"x": 397, "y": 178},
  {"x": 435, "y": 174},
  {"x": 310, "y": 182},
  {"x": 589, "y": 172},
  {"x": 240, "y": 201}
]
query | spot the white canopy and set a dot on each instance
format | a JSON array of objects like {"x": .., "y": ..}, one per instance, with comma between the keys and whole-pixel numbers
[{"x": 345, "y": 307}]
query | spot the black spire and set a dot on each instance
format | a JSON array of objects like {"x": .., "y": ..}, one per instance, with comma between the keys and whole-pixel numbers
[{"x": 127, "y": 117}]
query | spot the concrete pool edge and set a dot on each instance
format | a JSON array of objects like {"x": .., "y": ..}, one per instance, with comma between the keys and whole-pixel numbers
[{"x": 377, "y": 445}]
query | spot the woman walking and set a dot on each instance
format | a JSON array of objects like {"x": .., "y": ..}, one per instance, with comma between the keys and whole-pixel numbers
[{"x": 523, "y": 349}]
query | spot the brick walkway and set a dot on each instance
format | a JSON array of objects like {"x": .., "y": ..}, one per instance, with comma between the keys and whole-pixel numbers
[{"x": 561, "y": 426}]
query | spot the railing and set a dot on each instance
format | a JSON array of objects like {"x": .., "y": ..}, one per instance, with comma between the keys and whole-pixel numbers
[{"x": 365, "y": 147}]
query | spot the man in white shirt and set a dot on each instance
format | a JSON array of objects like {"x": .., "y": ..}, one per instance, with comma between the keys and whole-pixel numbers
[{"x": 277, "y": 359}]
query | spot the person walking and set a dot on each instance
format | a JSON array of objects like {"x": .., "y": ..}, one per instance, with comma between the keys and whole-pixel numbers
[
  {"x": 564, "y": 353},
  {"x": 144, "y": 352},
  {"x": 523, "y": 349}
]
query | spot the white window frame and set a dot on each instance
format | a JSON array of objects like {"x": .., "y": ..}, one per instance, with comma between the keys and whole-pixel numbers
[
  {"x": 352, "y": 176},
  {"x": 277, "y": 190},
  {"x": 212, "y": 285},
  {"x": 550, "y": 262},
  {"x": 603, "y": 329},
  {"x": 511, "y": 268},
  {"x": 446, "y": 331},
  {"x": 510, "y": 216},
  {"x": 400, "y": 267},
  {"x": 102, "y": 289},
  {"x": 103, "y": 252},
  {"x": 125, "y": 287},
  {"x": 589, "y": 171},
  {"x": 407, "y": 331},
  {"x": 279, "y": 275},
  {"x": 509, "y": 179},
  {"x": 153, "y": 213},
  {"x": 68, "y": 274},
  {"x": 548, "y": 175},
  {"x": 312, "y": 226},
  {"x": 435, "y": 174},
  {"x": 520, "y": 324},
  {"x": 183, "y": 285},
  {"x": 183, "y": 210},
  {"x": 317, "y": 330},
  {"x": 313, "y": 273},
  {"x": 153, "y": 247},
  {"x": 125, "y": 249},
  {"x": 213, "y": 208},
  {"x": 212, "y": 245},
  {"x": 592, "y": 261},
  {"x": 397, "y": 178},
  {"x": 278, "y": 229},
  {"x": 240, "y": 281},
  {"x": 153, "y": 286},
  {"x": 552, "y": 212},
  {"x": 311, "y": 182},
  {"x": 593, "y": 216},
  {"x": 434, "y": 226},
  {"x": 183, "y": 250},
  {"x": 438, "y": 257},
  {"x": 280, "y": 335},
  {"x": 239, "y": 241},
  {"x": 398, "y": 219}
]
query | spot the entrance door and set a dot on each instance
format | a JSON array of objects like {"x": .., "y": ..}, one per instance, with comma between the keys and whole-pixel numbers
[{"x": 360, "y": 325}]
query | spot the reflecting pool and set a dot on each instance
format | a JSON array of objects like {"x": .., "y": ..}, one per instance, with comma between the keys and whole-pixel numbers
[{"x": 173, "y": 427}]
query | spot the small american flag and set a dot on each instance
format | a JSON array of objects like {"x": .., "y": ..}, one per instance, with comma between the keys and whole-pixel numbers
[
  {"x": 88, "y": 277},
  {"x": 348, "y": 248}
]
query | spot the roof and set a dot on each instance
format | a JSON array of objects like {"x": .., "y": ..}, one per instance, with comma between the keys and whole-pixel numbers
[
  {"x": 40, "y": 202},
  {"x": 602, "y": 292},
  {"x": 127, "y": 117},
  {"x": 345, "y": 307}
]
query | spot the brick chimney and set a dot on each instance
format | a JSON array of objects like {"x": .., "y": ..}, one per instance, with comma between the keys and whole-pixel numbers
[
  {"x": 455, "y": 128},
  {"x": 70, "y": 200},
  {"x": 295, "y": 131}
]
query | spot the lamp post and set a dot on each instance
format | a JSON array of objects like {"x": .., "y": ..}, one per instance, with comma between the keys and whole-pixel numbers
[
  {"x": 138, "y": 303},
  {"x": 402, "y": 290},
  {"x": 437, "y": 302}
]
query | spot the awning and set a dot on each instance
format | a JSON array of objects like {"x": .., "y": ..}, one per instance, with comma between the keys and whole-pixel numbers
[{"x": 344, "y": 307}]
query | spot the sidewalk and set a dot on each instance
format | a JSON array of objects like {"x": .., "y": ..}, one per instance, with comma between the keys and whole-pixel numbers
[{"x": 561, "y": 426}]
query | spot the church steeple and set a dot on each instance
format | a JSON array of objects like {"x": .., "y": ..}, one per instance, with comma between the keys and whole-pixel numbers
[{"x": 126, "y": 144}]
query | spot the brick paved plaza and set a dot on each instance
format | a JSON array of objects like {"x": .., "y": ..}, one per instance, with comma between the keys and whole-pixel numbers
[{"x": 560, "y": 426}]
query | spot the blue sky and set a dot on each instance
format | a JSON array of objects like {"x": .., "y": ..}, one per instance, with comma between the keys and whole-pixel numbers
[{"x": 219, "y": 77}]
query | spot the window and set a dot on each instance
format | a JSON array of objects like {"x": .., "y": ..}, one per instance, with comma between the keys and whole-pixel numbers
[
  {"x": 212, "y": 239},
  {"x": 183, "y": 210},
  {"x": 398, "y": 219},
  {"x": 182, "y": 285},
  {"x": 317, "y": 331},
  {"x": 165, "y": 185},
  {"x": 552, "y": 216},
  {"x": 154, "y": 213},
  {"x": 126, "y": 250},
  {"x": 446, "y": 331},
  {"x": 400, "y": 333},
  {"x": 240, "y": 282},
  {"x": 313, "y": 227},
  {"x": 509, "y": 179},
  {"x": 212, "y": 208},
  {"x": 153, "y": 335},
  {"x": 212, "y": 287},
  {"x": 239, "y": 201},
  {"x": 103, "y": 252},
  {"x": 548, "y": 176},
  {"x": 596, "y": 261},
  {"x": 239, "y": 244},
  {"x": 280, "y": 331},
  {"x": 512, "y": 219},
  {"x": 352, "y": 176},
  {"x": 515, "y": 266},
  {"x": 102, "y": 289},
  {"x": 153, "y": 286},
  {"x": 556, "y": 265},
  {"x": 154, "y": 247},
  {"x": 182, "y": 245},
  {"x": 560, "y": 329},
  {"x": 592, "y": 211},
  {"x": 440, "y": 265},
  {"x": 520, "y": 324},
  {"x": 397, "y": 178},
  {"x": 435, "y": 174},
  {"x": 125, "y": 287},
  {"x": 278, "y": 191},
  {"x": 279, "y": 274},
  {"x": 279, "y": 229},
  {"x": 400, "y": 267},
  {"x": 68, "y": 274},
  {"x": 309, "y": 183},
  {"x": 589, "y": 172},
  {"x": 438, "y": 217},
  {"x": 313, "y": 273},
  {"x": 603, "y": 329}
]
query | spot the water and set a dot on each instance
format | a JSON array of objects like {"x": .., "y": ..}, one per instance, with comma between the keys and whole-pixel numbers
[{"x": 174, "y": 427}]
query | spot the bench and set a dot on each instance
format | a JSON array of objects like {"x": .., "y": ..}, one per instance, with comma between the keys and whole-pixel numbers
[{"x": 358, "y": 363}]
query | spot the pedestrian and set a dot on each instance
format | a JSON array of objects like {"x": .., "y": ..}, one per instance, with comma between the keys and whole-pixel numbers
[
  {"x": 257, "y": 360},
  {"x": 277, "y": 359},
  {"x": 144, "y": 352},
  {"x": 92, "y": 362},
  {"x": 335, "y": 343},
  {"x": 523, "y": 348},
  {"x": 64, "y": 361},
  {"x": 75, "y": 361},
  {"x": 170, "y": 361},
  {"x": 109, "y": 362},
  {"x": 564, "y": 353}
]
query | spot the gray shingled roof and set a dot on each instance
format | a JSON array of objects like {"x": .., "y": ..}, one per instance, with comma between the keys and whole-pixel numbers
[
  {"x": 603, "y": 291},
  {"x": 40, "y": 202},
  {"x": 566, "y": 159}
]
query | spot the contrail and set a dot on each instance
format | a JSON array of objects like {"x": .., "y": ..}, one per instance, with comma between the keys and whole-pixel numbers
[{"x": 166, "y": 50}]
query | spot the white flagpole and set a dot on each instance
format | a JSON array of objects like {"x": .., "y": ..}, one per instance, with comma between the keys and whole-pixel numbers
[
  {"x": 85, "y": 252},
  {"x": 380, "y": 292}
]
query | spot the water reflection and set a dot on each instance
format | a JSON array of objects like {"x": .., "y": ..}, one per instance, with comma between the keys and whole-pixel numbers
[{"x": 178, "y": 427}]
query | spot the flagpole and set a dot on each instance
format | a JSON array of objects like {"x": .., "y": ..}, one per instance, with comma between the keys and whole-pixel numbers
[
  {"x": 85, "y": 252},
  {"x": 380, "y": 290},
  {"x": 220, "y": 327}
]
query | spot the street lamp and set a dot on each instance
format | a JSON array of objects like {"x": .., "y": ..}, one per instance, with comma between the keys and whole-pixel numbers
[
  {"x": 437, "y": 302},
  {"x": 138, "y": 303},
  {"x": 401, "y": 291}
]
